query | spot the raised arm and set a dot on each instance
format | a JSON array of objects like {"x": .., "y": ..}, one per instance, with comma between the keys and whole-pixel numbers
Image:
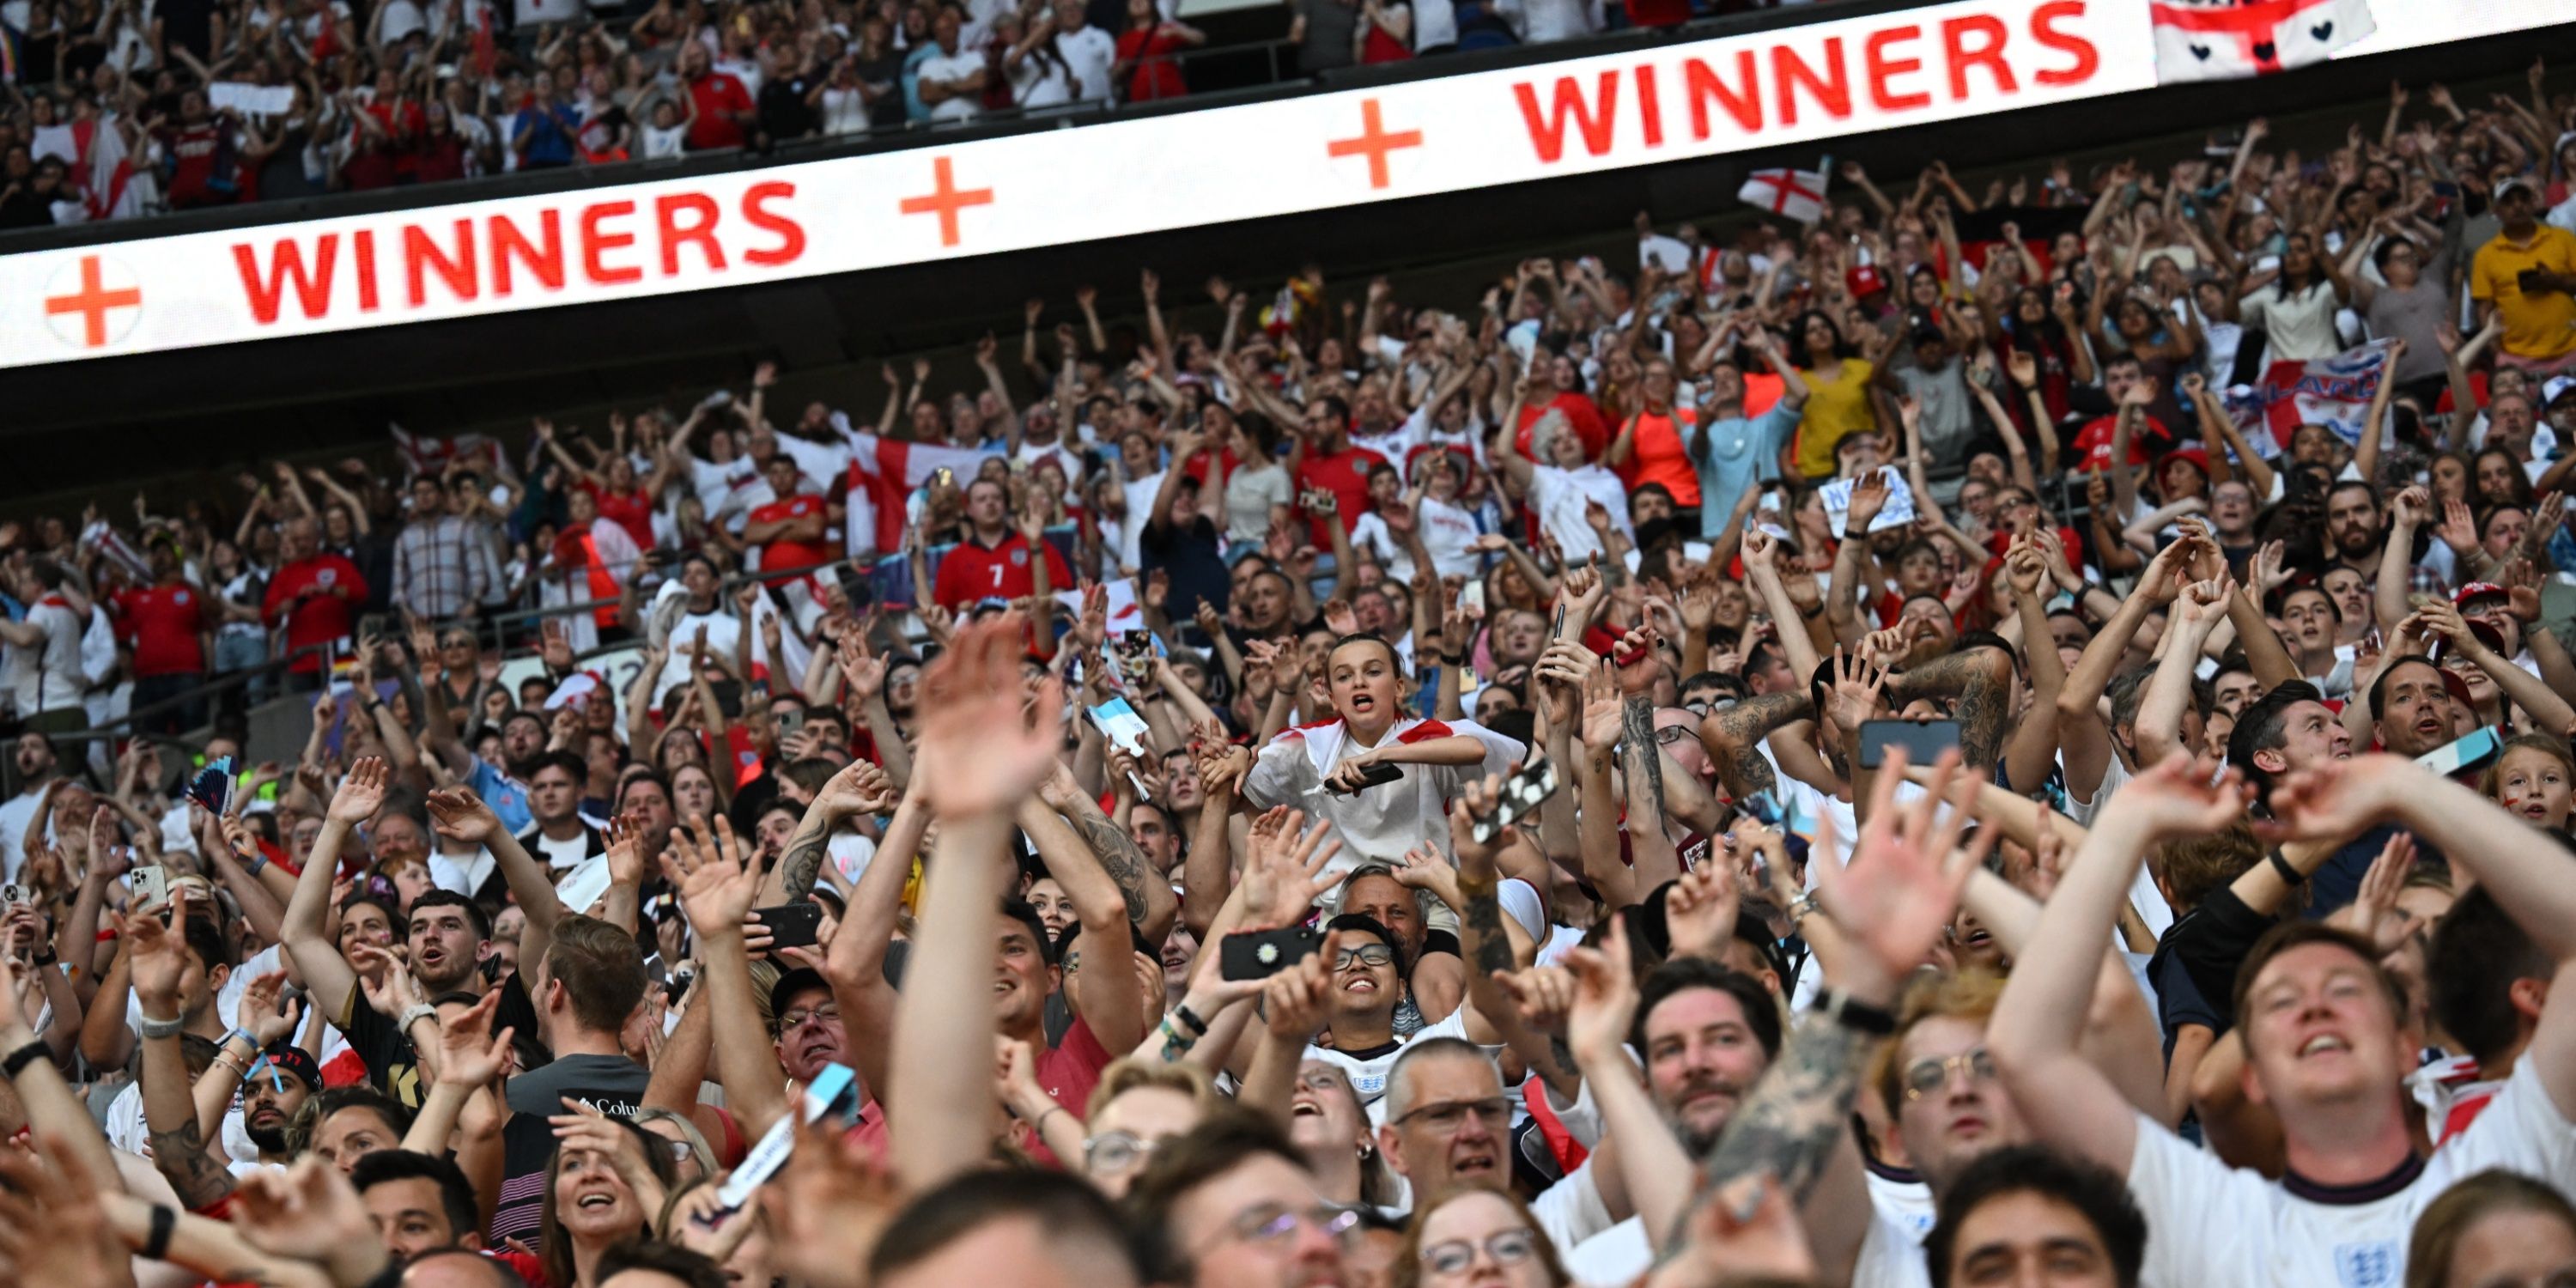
[
  {"x": 979, "y": 755},
  {"x": 326, "y": 974}
]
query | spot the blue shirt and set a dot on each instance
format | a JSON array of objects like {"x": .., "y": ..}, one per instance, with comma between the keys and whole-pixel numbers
[
  {"x": 550, "y": 130},
  {"x": 1742, "y": 452},
  {"x": 913, "y": 108},
  {"x": 507, "y": 797}
]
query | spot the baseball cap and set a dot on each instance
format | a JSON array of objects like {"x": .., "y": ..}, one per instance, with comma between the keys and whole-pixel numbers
[
  {"x": 292, "y": 1061},
  {"x": 2476, "y": 590},
  {"x": 2511, "y": 182},
  {"x": 790, "y": 983}
]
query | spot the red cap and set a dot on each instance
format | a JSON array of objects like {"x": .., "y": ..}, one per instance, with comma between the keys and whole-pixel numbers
[
  {"x": 2198, "y": 458},
  {"x": 1864, "y": 280},
  {"x": 2476, "y": 590}
]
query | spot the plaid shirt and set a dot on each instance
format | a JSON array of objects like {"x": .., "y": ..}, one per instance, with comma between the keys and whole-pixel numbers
[{"x": 440, "y": 568}]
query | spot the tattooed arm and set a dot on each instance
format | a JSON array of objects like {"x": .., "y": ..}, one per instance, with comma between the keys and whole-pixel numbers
[
  {"x": 179, "y": 1148},
  {"x": 1981, "y": 679},
  {"x": 1734, "y": 737},
  {"x": 1151, "y": 905},
  {"x": 1107, "y": 991},
  {"x": 1641, "y": 769}
]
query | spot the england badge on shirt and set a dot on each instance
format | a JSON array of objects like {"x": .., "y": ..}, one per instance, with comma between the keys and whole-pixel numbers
[{"x": 2366, "y": 1265}]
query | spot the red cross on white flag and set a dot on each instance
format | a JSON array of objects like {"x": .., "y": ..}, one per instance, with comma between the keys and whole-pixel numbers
[{"x": 1799, "y": 194}]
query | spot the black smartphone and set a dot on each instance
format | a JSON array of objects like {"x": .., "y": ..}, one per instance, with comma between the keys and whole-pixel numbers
[
  {"x": 793, "y": 925},
  {"x": 1260, "y": 954},
  {"x": 1370, "y": 777},
  {"x": 1923, "y": 740},
  {"x": 1522, "y": 793},
  {"x": 2528, "y": 279}
]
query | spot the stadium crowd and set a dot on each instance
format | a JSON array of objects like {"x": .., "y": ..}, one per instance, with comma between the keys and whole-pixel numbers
[
  {"x": 1467, "y": 744},
  {"x": 113, "y": 109}
]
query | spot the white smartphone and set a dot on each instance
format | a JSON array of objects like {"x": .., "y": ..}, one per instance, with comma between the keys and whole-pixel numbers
[
  {"x": 1471, "y": 599},
  {"x": 150, "y": 884},
  {"x": 585, "y": 885}
]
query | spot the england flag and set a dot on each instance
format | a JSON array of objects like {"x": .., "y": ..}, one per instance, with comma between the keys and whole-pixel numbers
[{"x": 1799, "y": 194}]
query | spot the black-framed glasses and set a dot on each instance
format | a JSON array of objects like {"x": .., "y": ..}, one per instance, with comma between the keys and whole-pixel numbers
[
  {"x": 790, "y": 1021},
  {"x": 1670, "y": 734},
  {"x": 1371, "y": 955},
  {"x": 1506, "y": 1247},
  {"x": 1449, "y": 1115},
  {"x": 1926, "y": 1077}
]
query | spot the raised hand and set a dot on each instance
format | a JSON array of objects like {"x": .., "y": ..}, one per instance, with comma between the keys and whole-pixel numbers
[
  {"x": 470, "y": 1054},
  {"x": 2337, "y": 799},
  {"x": 385, "y": 980},
  {"x": 2367, "y": 914},
  {"x": 859, "y": 788},
  {"x": 1284, "y": 872},
  {"x": 265, "y": 1009},
  {"x": 1700, "y": 908},
  {"x": 1895, "y": 899},
  {"x": 361, "y": 793},
  {"x": 979, "y": 752},
  {"x": 460, "y": 815},
  {"x": 2181, "y": 796},
  {"x": 1859, "y": 692},
  {"x": 1869, "y": 495},
  {"x": 707, "y": 869},
  {"x": 1604, "y": 1000},
  {"x": 1294, "y": 1000}
]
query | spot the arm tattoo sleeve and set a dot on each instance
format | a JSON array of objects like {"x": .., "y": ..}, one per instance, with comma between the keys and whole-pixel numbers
[
  {"x": 1742, "y": 769},
  {"x": 181, "y": 1157},
  {"x": 804, "y": 860},
  {"x": 1118, "y": 853},
  {"x": 1797, "y": 1114},
  {"x": 1484, "y": 915},
  {"x": 1971, "y": 677},
  {"x": 1637, "y": 756}
]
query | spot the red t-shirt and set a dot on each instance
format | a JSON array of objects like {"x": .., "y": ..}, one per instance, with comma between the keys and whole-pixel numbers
[
  {"x": 1070, "y": 1071},
  {"x": 166, "y": 622},
  {"x": 1345, "y": 475},
  {"x": 783, "y": 553},
  {"x": 633, "y": 512},
  {"x": 717, "y": 93},
  {"x": 1156, "y": 75},
  {"x": 324, "y": 615},
  {"x": 971, "y": 572},
  {"x": 2150, "y": 442}
]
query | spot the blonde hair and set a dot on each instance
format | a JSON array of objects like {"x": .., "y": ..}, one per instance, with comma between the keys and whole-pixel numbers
[
  {"x": 1131, "y": 1073},
  {"x": 1964, "y": 995}
]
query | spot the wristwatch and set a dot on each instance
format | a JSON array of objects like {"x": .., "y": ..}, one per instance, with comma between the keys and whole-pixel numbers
[
  {"x": 1838, "y": 1007},
  {"x": 415, "y": 1012}
]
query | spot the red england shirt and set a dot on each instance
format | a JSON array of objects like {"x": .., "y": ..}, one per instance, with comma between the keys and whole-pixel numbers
[
  {"x": 971, "y": 572},
  {"x": 324, "y": 615},
  {"x": 166, "y": 622}
]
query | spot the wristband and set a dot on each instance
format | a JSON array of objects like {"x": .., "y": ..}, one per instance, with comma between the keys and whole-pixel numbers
[
  {"x": 165, "y": 1222},
  {"x": 1191, "y": 1018},
  {"x": 252, "y": 862},
  {"x": 46, "y": 959},
  {"x": 244, "y": 1035},
  {"x": 1453, "y": 659},
  {"x": 241, "y": 1072},
  {"x": 2290, "y": 876},
  {"x": 413, "y": 1014},
  {"x": 169, "y": 1028},
  {"x": 1838, "y": 1007},
  {"x": 18, "y": 1060}
]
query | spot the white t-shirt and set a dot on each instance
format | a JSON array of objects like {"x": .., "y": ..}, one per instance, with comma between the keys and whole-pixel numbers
[
  {"x": 948, "y": 69},
  {"x": 1560, "y": 496},
  {"x": 660, "y": 143},
  {"x": 2246, "y": 1230},
  {"x": 1090, "y": 52},
  {"x": 1041, "y": 82},
  {"x": 724, "y": 634}
]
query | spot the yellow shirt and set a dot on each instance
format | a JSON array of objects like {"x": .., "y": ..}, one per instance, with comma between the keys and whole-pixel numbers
[
  {"x": 1833, "y": 410},
  {"x": 2539, "y": 326}
]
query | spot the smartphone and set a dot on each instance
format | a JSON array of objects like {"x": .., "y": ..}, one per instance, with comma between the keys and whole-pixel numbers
[
  {"x": 1372, "y": 776},
  {"x": 1471, "y": 599},
  {"x": 793, "y": 925},
  {"x": 1522, "y": 793},
  {"x": 13, "y": 894},
  {"x": 151, "y": 885},
  {"x": 1136, "y": 644},
  {"x": 791, "y": 724},
  {"x": 1557, "y": 630},
  {"x": 1923, "y": 740},
  {"x": 2463, "y": 755},
  {"x": 1260, "y": 954},
  {"x": 2528, "y": 280},
  {"x": 943, "y": 477}
]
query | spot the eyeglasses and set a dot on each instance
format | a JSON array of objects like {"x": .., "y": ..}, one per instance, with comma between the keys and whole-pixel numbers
[
  {"x": 1272, "y": 1225},
  {"x": 1115, "y": 1151},
  {"x": 790, "y": 1021},
  {"x": 1927, "y": 1077},
  {"x": 1373, "y": 955},
  {"x": 1450, "y": 1115},
  {"x": 2009, "y": 504},
  {"x": 1670, "y": 734},
  {"x": 1506, "y": 1247}
]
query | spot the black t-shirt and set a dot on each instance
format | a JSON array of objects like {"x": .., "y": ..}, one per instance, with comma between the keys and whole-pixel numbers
[
  {"x": 394, "y": 1068},
  {"x": 611, "y": 1084},
  {"x": 1186, "y": 552}
]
